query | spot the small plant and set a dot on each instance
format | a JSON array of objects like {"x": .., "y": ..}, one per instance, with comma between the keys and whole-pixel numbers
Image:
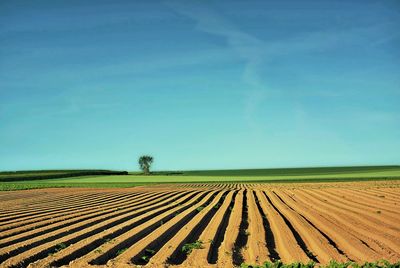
[
  {"x": 199, "y": 209},
  {"x": 148, "y": 253},
  {"x": 99, "y": 251},
  {"x": 145, "y": 258},
  {"x": 188, "y": 248},
  {"x": 122, "y": 250},
  {"x": 60, "y": 247}
]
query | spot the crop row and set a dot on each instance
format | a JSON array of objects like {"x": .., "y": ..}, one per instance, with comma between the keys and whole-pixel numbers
[{"x": 200, "y": 226}]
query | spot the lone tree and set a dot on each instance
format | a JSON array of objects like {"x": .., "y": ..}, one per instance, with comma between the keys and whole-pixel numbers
[{"x": 145, "y": 162}]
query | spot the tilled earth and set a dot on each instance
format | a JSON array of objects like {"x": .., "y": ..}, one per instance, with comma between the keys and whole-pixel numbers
[{"x": 200, "y": 225}]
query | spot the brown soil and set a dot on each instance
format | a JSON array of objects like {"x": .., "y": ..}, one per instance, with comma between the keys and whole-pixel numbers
[{"x": 238, "y": 222}]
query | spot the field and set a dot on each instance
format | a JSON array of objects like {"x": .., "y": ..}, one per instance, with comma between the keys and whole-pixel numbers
[
  {"x": 201, "y": 224},
  {"x": 96, "y": 178},
  {"x": 40, "y": 175}
]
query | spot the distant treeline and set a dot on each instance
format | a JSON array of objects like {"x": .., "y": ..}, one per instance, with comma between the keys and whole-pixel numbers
[{"x": 10, "y": 176}]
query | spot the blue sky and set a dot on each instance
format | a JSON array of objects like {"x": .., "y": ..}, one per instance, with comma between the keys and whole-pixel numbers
[{"x": 199, "y": 84}]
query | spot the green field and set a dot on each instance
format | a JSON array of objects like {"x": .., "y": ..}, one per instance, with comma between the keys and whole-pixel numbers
[
  {"x": 282, "y": 171},
  {"x": 318, "y": 174}
]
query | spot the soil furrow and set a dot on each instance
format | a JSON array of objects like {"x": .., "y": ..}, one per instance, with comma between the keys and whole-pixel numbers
[
  {"x": 226, "y": 250},
  {"x": 156, "y": 239},
  {"x": 379, "y": 203},
  {"x": 47, "y": 208},
  {"x": 209, "y": 235},
  {"x": 82, "y": 249},
  {"x": 42, "y": 247},
  {"x": 390, "y": 223},
  {"x": 269, "y": 236},
  {"x": 166, "y": 245},
  {"x": 61, "y": 220},
  {"x": 212, "y": 256},
  {"x": 376, "y": 239},
  {"x": 294, "y": 231},
  {"x": 284, "y": 241},
  {"x": 330, "y": 241},
  {"x": 69, "y": 207},
  {"x": 105, "y": 215},
  {"x": 85, "y": 206},
  {"x": 242, "y": 237},
  {"x": 346, "y": 240},
  {"x": 200, "y": 225}
]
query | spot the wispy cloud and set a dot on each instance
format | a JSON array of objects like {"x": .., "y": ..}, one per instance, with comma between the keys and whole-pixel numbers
[
  {"x": 256, "y": 53},
  {"x": 247, "y": 47}
]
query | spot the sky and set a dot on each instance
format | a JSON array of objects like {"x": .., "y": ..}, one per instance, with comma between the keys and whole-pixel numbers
[{"x": 199, "y": 84}]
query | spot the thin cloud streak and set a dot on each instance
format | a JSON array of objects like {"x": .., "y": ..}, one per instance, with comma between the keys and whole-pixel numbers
[
  {"x": 246, "y": 47},
  {"x": 256, "y": 53}
]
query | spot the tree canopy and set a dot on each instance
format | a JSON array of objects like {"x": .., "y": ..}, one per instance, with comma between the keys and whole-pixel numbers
[{"x": 145, "y": 162}]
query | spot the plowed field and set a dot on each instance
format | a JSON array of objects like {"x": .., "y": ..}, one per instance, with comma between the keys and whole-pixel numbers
[{"x": 200, "y": 225}]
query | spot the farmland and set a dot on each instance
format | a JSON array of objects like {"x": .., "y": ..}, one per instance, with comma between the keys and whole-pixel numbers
[
  {"x": 201, "y": 224},
  {"x": 112, "y": 179}
]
